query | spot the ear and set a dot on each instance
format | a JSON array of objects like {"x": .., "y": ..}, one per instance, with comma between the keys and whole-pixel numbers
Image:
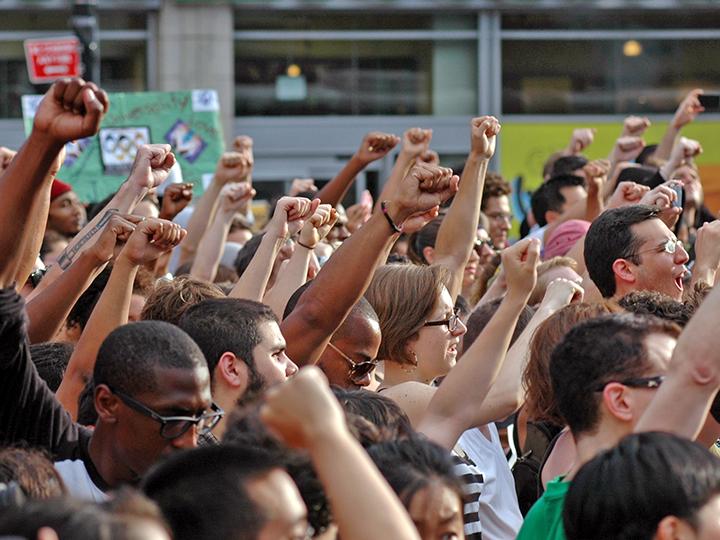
[
  {"x": 673, "y": 528},
  {"x": 624, "y": 270},
  {"x": 551, "y": 215},
  {"x": 618, "y": 402},
  {"x": 429, "y": 253},
  {"x": 106, "y": 404},
  {"x": 232, "y": 371}
]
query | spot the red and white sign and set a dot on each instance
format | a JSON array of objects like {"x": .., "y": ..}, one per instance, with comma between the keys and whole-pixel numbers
[{"x": 52, "y": 59}]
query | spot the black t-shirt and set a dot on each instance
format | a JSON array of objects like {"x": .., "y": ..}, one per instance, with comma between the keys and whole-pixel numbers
[{"x": 29, "y": 411}]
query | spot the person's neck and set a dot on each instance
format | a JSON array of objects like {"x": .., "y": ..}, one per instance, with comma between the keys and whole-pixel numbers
[
  {"x": 589, "y": 445},
  {"x": 102, "y": 453},
  {"x": 396, "y": 373},
  {"x": 227, "y": 400}
]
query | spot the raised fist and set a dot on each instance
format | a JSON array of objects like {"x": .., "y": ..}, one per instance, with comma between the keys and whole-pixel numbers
[
  {"x": 233, "y": 167},
  {"x": 151, "y": 238},
  {"x": 175, "y": 198},
  {"x": 71, "y": 109},
  {"x": 376, "y": 145},
  {"x": 152, "y": 166},
  {"x": 416, "y": 140},
  {"x": 483, "y": 135}
]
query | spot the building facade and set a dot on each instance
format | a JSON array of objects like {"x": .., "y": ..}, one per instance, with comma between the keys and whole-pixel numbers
[{"x": 308, "y": 78}]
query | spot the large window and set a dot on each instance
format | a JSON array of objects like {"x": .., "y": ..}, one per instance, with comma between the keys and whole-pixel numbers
[{"x": 605, "y": 76}]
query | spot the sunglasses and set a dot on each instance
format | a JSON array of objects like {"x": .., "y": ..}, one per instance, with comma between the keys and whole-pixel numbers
[
  {"x": 173, "y": 427},
  {"x": 358, "y": 370},
  {"x": 480, "y": 243},
  {"x": 636, "y": 382}
]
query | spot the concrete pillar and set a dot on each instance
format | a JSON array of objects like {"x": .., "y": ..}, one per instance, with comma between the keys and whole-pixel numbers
[{"x": 196, "y": 50}]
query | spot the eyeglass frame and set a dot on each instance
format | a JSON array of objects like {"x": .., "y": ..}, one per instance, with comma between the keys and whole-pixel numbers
[
  {"x": 650, "y": 383},
  {"x": 477, "y": 246},
  {"x": 355, "y": 367},
  {"x": 215, "y": 415},
  {"x": 665, "y": 247},
  {"x": 451, "y": 322},
  {"x": 502, "y": 216}
]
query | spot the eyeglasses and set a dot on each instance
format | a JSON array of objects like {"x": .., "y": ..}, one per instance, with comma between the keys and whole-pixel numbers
[
  {"x": 636, "y": 382},
  {"x": 358, "y": 370},
  {"x": 668, "y": 247},
  {"x": 173, "y": 427},
  {"x": 480, "y": 243},
  {"x": 452, "y": 321},
  {"x": 500, "y": 216}
]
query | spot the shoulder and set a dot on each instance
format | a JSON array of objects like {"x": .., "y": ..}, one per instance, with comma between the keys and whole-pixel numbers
[{"x": 412, "y": 397}]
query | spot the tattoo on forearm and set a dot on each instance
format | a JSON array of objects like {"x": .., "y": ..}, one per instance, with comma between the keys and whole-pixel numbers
[{"x": 67, "y": 257}]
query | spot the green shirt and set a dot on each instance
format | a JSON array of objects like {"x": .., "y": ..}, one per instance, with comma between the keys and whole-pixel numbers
[{"x": 544, "y": 520}]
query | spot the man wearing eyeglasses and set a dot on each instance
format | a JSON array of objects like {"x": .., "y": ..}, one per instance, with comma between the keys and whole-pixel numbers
[
  {"x": 619, "y": 374},
  {"x": 630, "y": 249}
]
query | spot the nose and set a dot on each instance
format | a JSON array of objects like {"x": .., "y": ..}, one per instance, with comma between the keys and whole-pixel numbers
[
  {"x": 506, "y": 223},
  {"x": 460, "y": 328},
  {"x": 365, "y": 381},
  {"x": 290, "y": 368},
  {"x": 187, "y": 440},
  {"x": 681, "y": 256}
]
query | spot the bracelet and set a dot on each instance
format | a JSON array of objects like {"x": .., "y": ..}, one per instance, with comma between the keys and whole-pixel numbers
[
  {"x": 395, "y": 228},
  {"x": 299, "y": 243}
]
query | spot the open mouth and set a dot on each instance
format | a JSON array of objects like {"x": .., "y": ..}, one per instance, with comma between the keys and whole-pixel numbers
[{"x": 679, "y": 282}]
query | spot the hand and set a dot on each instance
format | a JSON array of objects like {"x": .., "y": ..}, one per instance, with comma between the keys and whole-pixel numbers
[
  {"x": 6, "y": 156},
  {"x": 175, "y": 199},
  {"x": 424, "y": 188},
  {"x": 415, "y": 141},
  {"x": 685, "y": 149},
  {"x": 707, "y": 247},
  {"x": 561, "y": 292},
  {"x": 116, "y": 232},
  {"x": 302, "y": 409},
  {"x": 151, "y": 238},
  {"x": 243, "y": 143},
  {"x": 581, "y": 138},
  {"x": 483, "y": 136},
  {"x": 318, "y": 225},
  {"x": 520, "y": 262},
  {"x": 151, "y": 167},
  {"x": 430, "y": 157},
  {"x": 376, "y": 145},
  {"x": 627, "y": 193},
  {"x": 418, "y": 220},
  {"x": 234, "y": 196},
  {"x": 661, "y": 196},
  {"x": 357, "y": 215},
  {"x": 302, "y": 185},
  {"x": 71, "y": 109},
  {"x": 627, "y": 148},
  {"x": 635, "y": 126},
  {"x": 289, "y": 215},
  {"x": 688, "y": 109},
  {"x": 233, "y": 167}
]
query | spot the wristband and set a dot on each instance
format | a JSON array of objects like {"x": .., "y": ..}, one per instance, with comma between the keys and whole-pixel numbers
[
  {"x": 299, "y": 243},
  {"x": 395, "y": 228}
]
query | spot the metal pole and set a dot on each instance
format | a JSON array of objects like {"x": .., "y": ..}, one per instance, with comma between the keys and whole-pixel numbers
[{"x": 84, "y": 23}]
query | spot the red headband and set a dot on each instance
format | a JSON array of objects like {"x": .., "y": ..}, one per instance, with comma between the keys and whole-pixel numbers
[{"x": 59, "y": 188}]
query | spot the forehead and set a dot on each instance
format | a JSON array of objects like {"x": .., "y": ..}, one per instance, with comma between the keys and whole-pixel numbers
[
  {"x": 364, "y": 336},
  {"x": 444, "y": 304},
  {"x": 495, "y": 204},
  {"x": 659, "y": 349},
  {"x": 180, "y": 388},
  {"x": 270, "y": 335},
  {"x": 69, "y": 196},
  {"x": 651, "y": 230}
]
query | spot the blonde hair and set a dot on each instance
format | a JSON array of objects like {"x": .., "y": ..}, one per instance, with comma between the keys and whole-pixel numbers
[
  {"x": 171, "y": 299},
  {"x": 403, "y": 296}
]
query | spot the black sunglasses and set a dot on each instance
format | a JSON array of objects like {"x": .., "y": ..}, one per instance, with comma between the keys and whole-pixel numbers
[
  {"x": 480, "y": 243},
  {"x": 636, "y": 382},
  {"x": 173, "y": 427},
  {"x": 358, "y": 370}
]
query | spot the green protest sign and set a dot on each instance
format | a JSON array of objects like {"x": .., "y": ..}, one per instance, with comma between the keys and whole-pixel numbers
[{"x": 189, "y": 121}]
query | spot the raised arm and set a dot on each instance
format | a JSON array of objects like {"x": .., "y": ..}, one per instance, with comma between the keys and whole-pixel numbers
[
  {"x": 304, "y": 414},
  {"x": 150, "y": 168},
  {"x": 345, "y": 277},
  {"x": 232, "y": 167},
  {"x": 458, "y": 231},
  {"x": 71, "y": 109},
  {"x": 48, "y": 310},
  {"x": 374, "y": 146},
  {"x": 287, "y": 219},
  {"x": 686, "y": 112},
  {"x": 148, "y": 241},
  {"x": 683, "y": 149},
  {"x": 294, "y": 273},
  {"x": 232, "y": 198},
  {"x": 682, "y": 402},
  {"x": 707, "y": 253},
  {"x": 455, "y": 405}
]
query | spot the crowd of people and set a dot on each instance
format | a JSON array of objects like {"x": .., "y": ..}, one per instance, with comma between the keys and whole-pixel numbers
[{"x": 171, "y": 368}]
